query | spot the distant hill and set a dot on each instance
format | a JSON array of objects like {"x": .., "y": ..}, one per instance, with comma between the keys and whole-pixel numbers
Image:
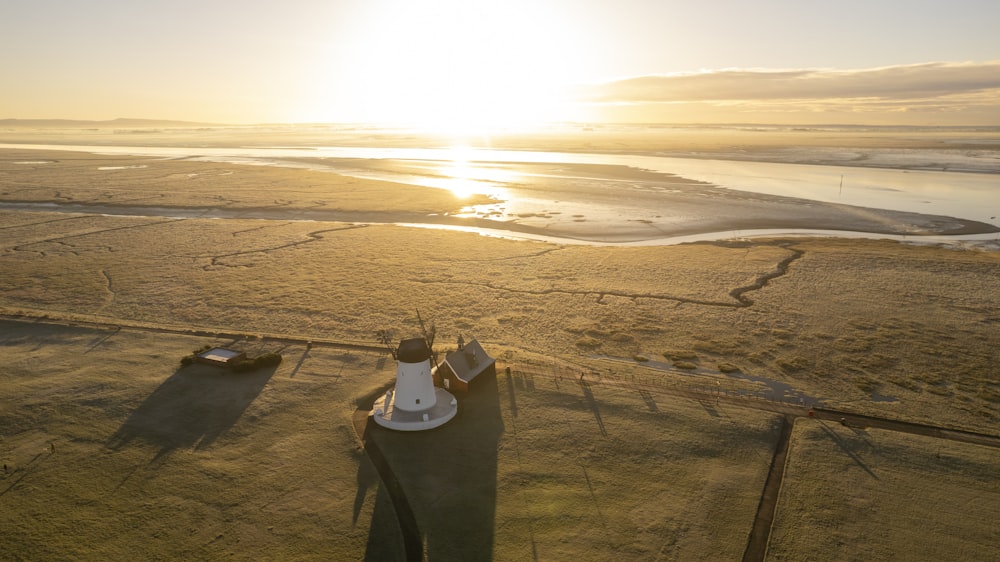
[{"x": 111, "y": 124}]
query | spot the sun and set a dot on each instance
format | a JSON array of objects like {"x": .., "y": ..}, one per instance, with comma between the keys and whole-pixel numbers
[{"x": 460, "y": 67}]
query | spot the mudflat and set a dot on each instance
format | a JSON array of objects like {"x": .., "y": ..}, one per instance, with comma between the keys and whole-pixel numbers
[{"x": 570, "y": 201}]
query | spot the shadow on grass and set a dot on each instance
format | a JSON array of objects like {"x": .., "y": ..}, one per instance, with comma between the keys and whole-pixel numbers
[
  {"x": 192, "y": 408},
  {"x": 305, "y": 355},
  {"x": 24, "y": 472},
  {"x": 511, "y": 395},
  {"x": 709, "y": 408},
  {"x": 846, "y": 448},
  {"x": 647, "y": 397},
  {"x": 592, "y": 403},
  {"x": 443, "y": 482},
  {"x": 101, "y": 339},
  {"x": 386, "y": 540}
]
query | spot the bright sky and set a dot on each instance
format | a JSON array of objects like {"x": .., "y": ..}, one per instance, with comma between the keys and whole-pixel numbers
[{"x": 468, "y": 63}]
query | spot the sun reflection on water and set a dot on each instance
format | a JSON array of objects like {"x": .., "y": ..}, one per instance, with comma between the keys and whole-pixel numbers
[
  {"x": 461, "y": 173},
  {"x": 465, "y": 177}
]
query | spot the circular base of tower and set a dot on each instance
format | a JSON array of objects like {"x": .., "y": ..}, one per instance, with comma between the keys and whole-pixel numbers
[{"x": 387, "y": 415}]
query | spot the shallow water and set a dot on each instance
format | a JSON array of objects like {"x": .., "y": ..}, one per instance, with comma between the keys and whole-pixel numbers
[
  {"x": 565, "y": 190},
  {"x": 973, "y": 196},
  {"x": 981, "y": 241}
]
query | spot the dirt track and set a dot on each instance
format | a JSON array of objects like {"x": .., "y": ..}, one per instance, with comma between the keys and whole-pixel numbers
[{"x": 202, "y": 332}]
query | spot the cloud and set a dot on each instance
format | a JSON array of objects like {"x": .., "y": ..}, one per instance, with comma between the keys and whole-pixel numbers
[{"x": 916, "y": 85}]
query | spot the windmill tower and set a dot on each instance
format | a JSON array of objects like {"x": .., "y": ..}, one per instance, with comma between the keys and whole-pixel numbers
[{"x": 415, "y": 403}]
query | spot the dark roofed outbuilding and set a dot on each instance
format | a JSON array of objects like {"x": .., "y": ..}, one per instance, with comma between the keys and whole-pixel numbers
[{"x": 463, "y": 366}]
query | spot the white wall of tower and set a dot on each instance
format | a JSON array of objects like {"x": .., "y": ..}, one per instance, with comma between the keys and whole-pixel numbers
[{"x": 414, "y": 386}]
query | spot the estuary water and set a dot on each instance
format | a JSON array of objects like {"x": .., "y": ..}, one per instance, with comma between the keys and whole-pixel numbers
[{"x": 535, "y": 183}]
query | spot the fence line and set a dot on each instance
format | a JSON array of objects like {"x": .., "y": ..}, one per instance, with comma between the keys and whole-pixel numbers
[{"x": 528, "y": 367}]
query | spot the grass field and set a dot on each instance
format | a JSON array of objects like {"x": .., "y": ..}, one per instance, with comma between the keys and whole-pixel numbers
[
  {"x": 921, "y": 332},
  {"x": 855, "y": 494},
  {"x": 114, "y": 452},
  {"x": 554, "y": 470},
  {"x": 125, "y": 455}
]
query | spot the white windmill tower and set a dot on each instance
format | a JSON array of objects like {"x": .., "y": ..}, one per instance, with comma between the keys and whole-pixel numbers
[{"x": 415, "y": 403}]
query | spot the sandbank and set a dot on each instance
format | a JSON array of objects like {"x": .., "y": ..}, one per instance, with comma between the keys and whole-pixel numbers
[{"x": 542, "y": 202}]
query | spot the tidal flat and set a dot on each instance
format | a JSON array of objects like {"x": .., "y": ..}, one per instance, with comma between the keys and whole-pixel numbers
[
  {"x": 646, "y": 185},
  {"x": 112, "y": 449}
]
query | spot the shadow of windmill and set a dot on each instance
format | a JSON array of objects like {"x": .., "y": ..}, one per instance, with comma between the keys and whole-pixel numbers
[
  {"x": 437, "y": 488},
  {"x": 192, "y": 408}
]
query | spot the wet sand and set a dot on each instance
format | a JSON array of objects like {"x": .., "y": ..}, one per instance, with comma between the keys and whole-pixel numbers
[{"x": 576, "y": 202}]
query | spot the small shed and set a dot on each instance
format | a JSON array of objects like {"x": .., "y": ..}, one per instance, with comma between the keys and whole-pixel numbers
[
  {"x": 220, "y": 357},
  {"x": 464, "y": 365}
]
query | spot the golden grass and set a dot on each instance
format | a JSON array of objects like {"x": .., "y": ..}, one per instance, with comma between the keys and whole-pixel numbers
[
  {"x": 906, "y": 321},
  {"x": 921, "y": 329},
  {"x": 559, "y": 471},
  {"x": 853, "y": 494},
  {"x": 154, "y": 462},
  {"x": 276, "y": 473}
]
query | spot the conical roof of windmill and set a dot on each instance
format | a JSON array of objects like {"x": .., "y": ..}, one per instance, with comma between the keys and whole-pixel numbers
[{"x": 413, "y": 350}]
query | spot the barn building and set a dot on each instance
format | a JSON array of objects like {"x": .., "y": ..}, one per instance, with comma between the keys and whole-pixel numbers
[{"x": 462, "y": 367}]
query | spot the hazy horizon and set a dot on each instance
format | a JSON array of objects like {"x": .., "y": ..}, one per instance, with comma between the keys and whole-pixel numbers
[
  {"x": 153, "y": 122},
  {"x": 478, "y": 65}
]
